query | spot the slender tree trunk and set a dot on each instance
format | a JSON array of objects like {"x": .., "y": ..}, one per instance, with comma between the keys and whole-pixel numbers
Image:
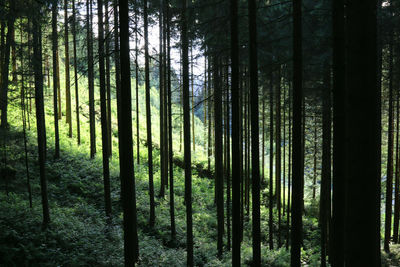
[
  {"x": 23, "y": 109},
  {"x": 218, "y": 155},
  {"x": 325, "y": 195},
  {"x": 137, "y": 83},
  {"x": 55, "y": 78},
  {"x": 278, "y": 166},
  {"x": 148, "y": 116},
  {"x": 78, "y": 127},
  {"x": 289, "y": 170},
  {"x": 397, "y": 180},
  {"x": 228, "y": 164},
  {"x": 103, "y": 111},
  {"x": 236, "y": 236},
  {"x": 271, "y": 165},
  {"x": 171, "y": 151},
  {"x": 58, "y": 87},
  {"x": 192, "y": 80},
  {"x": 67, "y": 75},
  {"x": 314, "y": 183},
  {"x": 40, "y": 115},
  {"x": 186, "y": 123},
  {"x": 297, "y": 196},
  {"x": 92, "y": 118},
  {"x": 363, "y": 150},
  {"x": 254, "y": 134},
  {"x": 162, "y": 101},
  {"x": 108, "y": 76}
]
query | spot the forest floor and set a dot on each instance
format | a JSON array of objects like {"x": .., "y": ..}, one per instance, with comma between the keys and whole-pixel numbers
[{"x": 79, "y": 235}]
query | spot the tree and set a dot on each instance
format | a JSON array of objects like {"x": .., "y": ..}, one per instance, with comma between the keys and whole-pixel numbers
[
  {"x": 218, "y": 155},
  {"x": 67, "y": 76},
  {"x": 5, "y": 67},
  {"x": 186, "y": 133},
  {"x": 297, "y": 156},
  {"x": 40, "y": 116},
  {"x": 55, "y": 77},
  {"x": 148, "y": 115},
  {"x": 78, "y": 127},
  {"x": 103, "y": 111},
  {"x": 126, "y": 144},
  {"x": 363, "y": 130},
  {"x": 89, "y": 43},
  {"x": 339, "y": 122},
  {"x": 253, "y": 67},
  {"x": 236, "y": 236}
]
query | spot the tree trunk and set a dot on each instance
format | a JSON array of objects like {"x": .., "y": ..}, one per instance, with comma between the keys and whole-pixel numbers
[
  {"x": 92, "y": 118},
  {"x": 128, "y": 194},
  {"x": 389, "y": 170},
  {"x": 297, "y": 195},
  {"x": 271, "y": 165},
  {"x": 78, "y": 127},
  {"x": 339, "y": 122},
  {"x": 253, "y": 67},
  {"x": 236, "y": 236},
  {"x": 40, "y": 115},
  {"x": 55, "y": 79},
  {"x": 148, "y": 116},
  {"x": 363, "y": 136},
  {"x": 103, "y": 111},
  {"x": 67, "y": 76},
  {"x": 186, "y": 132},
  {"x": 5, "y": 69},
  {"x": 108, "y": 77}
]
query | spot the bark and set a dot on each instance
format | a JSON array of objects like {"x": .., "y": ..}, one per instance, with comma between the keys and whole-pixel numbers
[
  {"x": 254, "y": 134},
  {"x": 127, "y": 173},
  {"x": 363, "y": 142},
  {"x": 40, "y": 115},
  {"x": 67, "y": 75},
  {"x": 186, "y": 132},
  {"x": 78, "y": 127},
  {"x": 92, "y": 118},
  {"x": 148, "y": 116},
  {"x": 103, "y": 111},
  {"x": 297, "y": 194},
  {"x": 55, "y": 78}
]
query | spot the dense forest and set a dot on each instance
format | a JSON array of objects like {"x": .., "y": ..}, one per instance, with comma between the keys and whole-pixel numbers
[{"x": 199, "y": 133}]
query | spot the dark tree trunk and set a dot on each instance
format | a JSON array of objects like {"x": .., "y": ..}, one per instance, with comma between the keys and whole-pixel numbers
[
  {"x": 278, "y": 166},
  {"x": 108, "y": 77},
  {"x": 339, "y": 122},
  {"x": 162, "y": 101},
  {"x": 297, "y": 195},
  {"x": 55, "y": 78},
  {"x": 236, "y": 236},
  {"x": 137, "y": 83},
  {"x": 148, "y": 116},
  {"x": 186, "y": 132},
  {"x": 103, "y": 111},
  {"x": 271, "y": 165},
  {"x": 171, "y": 155},
  {"x": 325, "y": 195},
  {"x": 78, "y": 127},
  {"x": 397, "y": 181},
  {"x": 67, "y": 75},
  {"x": 127, "y": 174},
  {"x": 40, "y": 115},
  {"x": 253, "y": 67},
  {"x": 363, "y": 142},
  {"x": 228, "y": 164},
  {"x": 218, "y": 155},
  {"x": 5, "y": 65},
  {"x": 92, "y": 118}
]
